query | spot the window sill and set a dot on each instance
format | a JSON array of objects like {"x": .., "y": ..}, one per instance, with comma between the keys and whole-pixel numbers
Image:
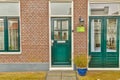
[{"x": 10, "y": 53}]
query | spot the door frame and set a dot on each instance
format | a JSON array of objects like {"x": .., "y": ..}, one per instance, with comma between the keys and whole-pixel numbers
[
  {"x": 72, "y": 40},
  {"x": 117, "y": 41}
]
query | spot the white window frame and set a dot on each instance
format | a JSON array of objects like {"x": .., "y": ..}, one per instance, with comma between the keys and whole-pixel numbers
[{"x": 11, "y": 53}]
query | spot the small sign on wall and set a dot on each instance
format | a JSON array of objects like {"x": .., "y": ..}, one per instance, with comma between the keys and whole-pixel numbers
[{"x": 80, "y": 29}]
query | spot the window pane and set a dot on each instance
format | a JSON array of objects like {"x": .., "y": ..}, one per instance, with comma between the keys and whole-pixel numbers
[
  {"x": 1, "y": 34},
  {"x": 96, "y": 35},
  {"x": 57, "y": 25},
  {"x": 111, "y": 35},
  {"x": 7, "y": 9},
  {"x": 61, "y": 8},
  {"x": 65, "y": 25},
  {"x": 105, "y": 9},
  {"x": 57, "y": 35},
  {"x": 13, "y": 34},
  {"x": 65, "y": 35}
]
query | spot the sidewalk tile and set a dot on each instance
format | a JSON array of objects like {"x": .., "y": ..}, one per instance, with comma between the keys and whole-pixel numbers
[
  {"x": 54, "y": 73},
  {"x": 69, "y": 73},
  {"x": 53, "y": 78},
  {"x": 68, "y": 78}
]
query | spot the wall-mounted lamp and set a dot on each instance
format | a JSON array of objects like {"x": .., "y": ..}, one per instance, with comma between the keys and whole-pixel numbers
[{"x": 81, "y": 21}]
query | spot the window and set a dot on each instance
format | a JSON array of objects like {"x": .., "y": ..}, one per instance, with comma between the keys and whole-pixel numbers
[
  {"x": 96, "y": 35},
  {"x": 111, "y": 35},
  {"x": 9, "y": 34},
  {"x": 105, "y": 9},
  {"x": 61, "y": 8},
  {"x": 1, "y": 34},
  {"x": 9, "y": 9},
  {"x": 13, "y": 31},
  {"x": 9, "y": 27}
]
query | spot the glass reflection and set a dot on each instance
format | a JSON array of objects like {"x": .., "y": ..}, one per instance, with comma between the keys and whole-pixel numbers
[
  {"x": 65, "y": 25},
  {"x": 57, "y": 35},
  {"x": 96, "y": 35},
  {"x": 57, "y": 25},
  {"x": 65, "y": 35},
  {"x": 105, "y": 9},
  {"x": 60, "y": 8},
  {"x": 13, "y": 34},
  {"x": 111, "y": 35},
  {"x": 1, "y": 34}
]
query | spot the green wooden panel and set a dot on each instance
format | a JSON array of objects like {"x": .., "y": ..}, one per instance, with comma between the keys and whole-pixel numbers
[
  {"x": 96, "y": 62},
  {"x": 61, "y": 54}
]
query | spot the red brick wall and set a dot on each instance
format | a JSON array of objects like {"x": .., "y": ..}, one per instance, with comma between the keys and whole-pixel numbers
[
  {"x": 80, "y": 39},
  {"x": 35, "y": 31}
]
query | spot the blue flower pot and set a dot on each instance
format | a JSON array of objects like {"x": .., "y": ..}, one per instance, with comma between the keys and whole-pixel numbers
[{"x": 82, "y": 71}]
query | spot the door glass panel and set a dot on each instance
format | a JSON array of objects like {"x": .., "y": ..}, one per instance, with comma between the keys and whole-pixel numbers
[
  {"x": 65, "y": 25},
  {"x": 1, "y": 34},
  {"x": 96, "y": 35},
  {"x": 64, "y": 35},
  {"x": 57, "y": 25},
  {"x": 57, "y": 35},
  {"x": 111, "y": 35},
  {"x": 60, "y": 8},
  {"x": 13, "y": 34}
]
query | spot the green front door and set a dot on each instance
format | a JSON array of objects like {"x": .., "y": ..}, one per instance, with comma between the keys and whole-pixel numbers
[
  {"x": 104, "y": 41},
  {"x": 61, "y": 42}
]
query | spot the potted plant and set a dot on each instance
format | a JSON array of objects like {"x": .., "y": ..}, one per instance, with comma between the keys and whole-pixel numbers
[{"x": 81, "y": 62}]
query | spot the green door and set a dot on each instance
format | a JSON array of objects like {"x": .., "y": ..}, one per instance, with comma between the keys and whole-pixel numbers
[
  {"x": 104, "y": 41},
  {"x": 61, "y": 41}
]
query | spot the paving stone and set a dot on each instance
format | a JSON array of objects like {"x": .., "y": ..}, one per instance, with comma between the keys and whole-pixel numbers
[
  {"x": 54, "y": 73},
  {"x": 69, "y": 73},
  {"x": 53, "y": 78},
  {"x": 68, "y": 78},
  {"x": 61, "y": 75}
]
